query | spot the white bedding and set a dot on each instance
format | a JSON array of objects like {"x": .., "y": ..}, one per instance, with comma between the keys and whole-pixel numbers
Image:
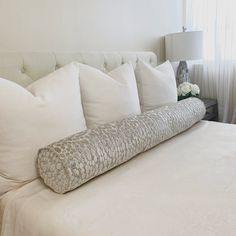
[{"x": 185, "y": 186}]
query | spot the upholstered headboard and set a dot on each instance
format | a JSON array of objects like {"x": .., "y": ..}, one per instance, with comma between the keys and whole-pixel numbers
[{"x": 24, "y": 68}]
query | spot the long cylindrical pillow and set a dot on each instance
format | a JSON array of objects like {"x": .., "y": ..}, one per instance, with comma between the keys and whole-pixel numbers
[{"x": 67, "y": 164}]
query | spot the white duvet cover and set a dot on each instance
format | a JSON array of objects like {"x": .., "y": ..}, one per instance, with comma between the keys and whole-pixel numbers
[{"x": 183, "y": 187}]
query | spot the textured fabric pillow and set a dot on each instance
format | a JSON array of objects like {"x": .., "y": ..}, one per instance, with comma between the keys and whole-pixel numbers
[
  {"x": 108, "y": 97},
  {"x": 67, "y": 164},
  {"x": 156, "y": 86},
  {"x": 48, "y": 110}
]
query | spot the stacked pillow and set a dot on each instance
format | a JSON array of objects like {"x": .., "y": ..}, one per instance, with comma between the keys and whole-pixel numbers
[
  {"x": 59, "y": 105},
  {"x": 114, "y": 96},
  {"x": 156, "y": 86},
  {"x": 48, "y": 110},
  {"x": 108, "y": 97}
]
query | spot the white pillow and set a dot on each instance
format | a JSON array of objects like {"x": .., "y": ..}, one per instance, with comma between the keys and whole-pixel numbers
[
  {"x": 156, "y": 86},
  {"x": 48, "y": 110},
  {"x": 108, "y": 97}
]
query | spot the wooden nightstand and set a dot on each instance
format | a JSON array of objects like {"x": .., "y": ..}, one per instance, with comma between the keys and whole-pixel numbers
[{"x": 211, "y": 109}]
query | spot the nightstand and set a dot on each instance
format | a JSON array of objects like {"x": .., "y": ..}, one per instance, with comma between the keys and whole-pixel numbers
[{"x": 211, "y": 109}]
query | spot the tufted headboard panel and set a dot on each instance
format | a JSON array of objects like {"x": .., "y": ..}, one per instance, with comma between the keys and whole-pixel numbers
[{"x": 24, "y": 68}]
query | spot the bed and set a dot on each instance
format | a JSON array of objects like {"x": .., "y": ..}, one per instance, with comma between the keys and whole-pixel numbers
[{"x": 184, "y": 186}]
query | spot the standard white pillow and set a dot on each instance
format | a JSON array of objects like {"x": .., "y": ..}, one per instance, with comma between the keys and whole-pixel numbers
[
  {"x": 156, "y": 86},
  {"x": 108, "y": 97},
  {"x": 48, "y": 110}
]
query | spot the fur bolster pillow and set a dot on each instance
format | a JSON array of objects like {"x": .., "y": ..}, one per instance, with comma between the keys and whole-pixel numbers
[{"x": 67, "y": 164}]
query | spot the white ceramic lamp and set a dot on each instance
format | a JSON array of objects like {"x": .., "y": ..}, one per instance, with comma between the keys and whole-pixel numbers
[{"x": 182, "y": 47}]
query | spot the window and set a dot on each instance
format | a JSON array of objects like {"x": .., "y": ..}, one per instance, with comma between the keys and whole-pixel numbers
[{"x": 217, "y": 18}]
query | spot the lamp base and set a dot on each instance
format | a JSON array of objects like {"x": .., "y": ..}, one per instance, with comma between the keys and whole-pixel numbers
[{"x": 182, "y": 73}]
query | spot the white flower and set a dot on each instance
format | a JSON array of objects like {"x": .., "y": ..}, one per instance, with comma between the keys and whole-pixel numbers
[
  {"x": 186, "y": 88},
  {"x": 195, "y": 90},
  {"x": 179, "y": 91}
]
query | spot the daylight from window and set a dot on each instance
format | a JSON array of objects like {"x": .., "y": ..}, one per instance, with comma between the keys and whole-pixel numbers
[{"x": 217, "y": 18}]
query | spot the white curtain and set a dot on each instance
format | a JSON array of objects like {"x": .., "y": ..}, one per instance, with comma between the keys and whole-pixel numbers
[{"x": 217, "y": 75}]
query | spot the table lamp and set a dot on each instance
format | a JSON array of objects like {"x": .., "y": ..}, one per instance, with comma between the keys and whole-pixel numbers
[{"x": 183, "y": 46}]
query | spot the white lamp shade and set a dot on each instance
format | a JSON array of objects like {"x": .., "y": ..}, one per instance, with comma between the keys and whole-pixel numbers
[{"x": 184, "y": 46}]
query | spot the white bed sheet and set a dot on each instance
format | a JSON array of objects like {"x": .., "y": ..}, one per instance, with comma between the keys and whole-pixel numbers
[{"x": 185, "y": 186}]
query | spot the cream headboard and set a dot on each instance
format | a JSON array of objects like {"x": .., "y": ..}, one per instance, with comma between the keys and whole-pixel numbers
[{"x": 24, "y": 68}]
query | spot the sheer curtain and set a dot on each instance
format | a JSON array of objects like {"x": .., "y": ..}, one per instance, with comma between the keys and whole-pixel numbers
[{"x": 217, "y": 75}]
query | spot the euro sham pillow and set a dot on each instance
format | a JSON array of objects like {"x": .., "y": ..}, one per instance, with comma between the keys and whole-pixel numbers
[
  {"x": 30, "y": 118},
  {"x": 156, "y": 86},
  {"x": 67, "y": 164},
  {"x": 108, "y": 97}
]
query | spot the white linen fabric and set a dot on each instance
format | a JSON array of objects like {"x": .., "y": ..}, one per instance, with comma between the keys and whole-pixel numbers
[
  {"x": 185, "y": 186},
  {"x": 108, "y": 97},
  {"x": 156, "y": 86},
  {"x": 48, "y": 110},
  {"x": 216, "y": 75}
]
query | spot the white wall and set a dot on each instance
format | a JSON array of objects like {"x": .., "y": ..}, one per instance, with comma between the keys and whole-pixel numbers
[{"x": 87, "y": 25}]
